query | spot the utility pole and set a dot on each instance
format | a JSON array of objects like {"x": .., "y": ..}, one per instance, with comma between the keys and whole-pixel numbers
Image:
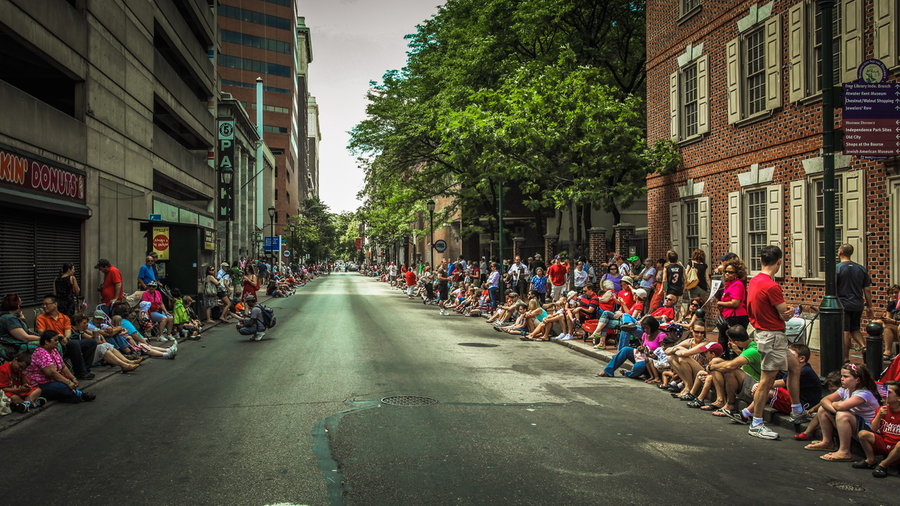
[
  {"x": 831, "y": 340},
  {"x": 500, "y": 222}
]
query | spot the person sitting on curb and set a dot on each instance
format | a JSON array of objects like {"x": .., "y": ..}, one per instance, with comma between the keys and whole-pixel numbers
[
  {"x": 846, "y": 411},
  {"x": 780, "y": 398},
  {"x": 831, "y": 384},
  {"x": 80, "y": 352},
  {"x": 688, "y": 358},
  {"x": 105, "y": 352},
  {"x": 137, "y": 340},
  {"x": 884, "y": 436},
  {"x": 651, "y": 340},
  {"x": 49, "y": 373},
  {"x": 735, "y": 377},
  {"x": 184, "y": 324},
  {"x": 22, "y": 395},
  {"x": 253, "y": 325}
]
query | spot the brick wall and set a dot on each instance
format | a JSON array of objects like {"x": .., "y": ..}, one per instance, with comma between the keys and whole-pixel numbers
[{"x": 783, "y": 141}]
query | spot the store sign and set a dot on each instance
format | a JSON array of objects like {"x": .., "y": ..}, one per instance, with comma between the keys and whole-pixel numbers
[
  {"x": 209, "y": 240},
  {"x": 161, "y": 242},
  {"x": 21, "y": 171},
  {"x": 225, "y": 209}
]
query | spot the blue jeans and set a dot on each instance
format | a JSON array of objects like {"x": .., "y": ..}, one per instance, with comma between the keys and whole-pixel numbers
[
  {"x": 625, "y": 335},
  {"x": 57, "y": 391},
  {"x": 118, "y": 342},
  {"x": 493, "y": 291},
  {"x": 626, "y": 353}
]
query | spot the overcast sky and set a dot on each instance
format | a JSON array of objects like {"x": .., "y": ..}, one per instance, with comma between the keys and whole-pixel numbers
[{"x": 353, "y": 42}]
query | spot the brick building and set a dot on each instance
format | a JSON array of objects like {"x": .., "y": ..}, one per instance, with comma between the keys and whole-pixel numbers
[
  {"x": 267, "y": 38},
  {"x": 736, "y": 86}
]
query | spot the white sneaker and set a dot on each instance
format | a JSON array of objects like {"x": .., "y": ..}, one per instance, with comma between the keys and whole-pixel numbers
[
  {"x": 567, "y": 337},
  {"x": 169, "y": 355},
  {"x": 161, "y": 338},
  {"x": 174, "y": 347},
  {"x": 560, "y": 336},
  {"x": 763, "y": 432},
  {"x": 259, "y": 336}
]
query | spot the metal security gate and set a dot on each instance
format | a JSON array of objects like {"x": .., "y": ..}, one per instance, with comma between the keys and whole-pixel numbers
[{"x": 34, "y": 247}]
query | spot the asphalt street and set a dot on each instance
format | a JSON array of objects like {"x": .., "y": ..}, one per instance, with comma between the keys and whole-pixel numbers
[{"x": 297, "y": 419}]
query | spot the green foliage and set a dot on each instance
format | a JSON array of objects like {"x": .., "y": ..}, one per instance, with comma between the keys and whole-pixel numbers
[{"x": 543, "y": 94}]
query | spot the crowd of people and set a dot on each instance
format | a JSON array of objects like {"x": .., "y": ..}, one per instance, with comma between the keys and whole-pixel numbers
[
  {"x": 51, "y": 358},
  {"x": 654, "y": 315}
]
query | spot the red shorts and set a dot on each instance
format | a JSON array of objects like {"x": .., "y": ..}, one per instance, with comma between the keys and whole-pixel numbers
[
  {"x": 22, "y": 395},
  {"x": 881, "y": 446},
  {"x": 781, "y": 401}
]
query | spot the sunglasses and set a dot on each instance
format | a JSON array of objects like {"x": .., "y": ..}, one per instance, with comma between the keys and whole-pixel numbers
[{"x": 730, "y": 272}]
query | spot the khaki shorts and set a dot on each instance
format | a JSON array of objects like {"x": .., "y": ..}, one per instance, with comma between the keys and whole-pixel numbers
[
  {"x": 746, "y": 392},
  {"x": 773, "y": 347}
]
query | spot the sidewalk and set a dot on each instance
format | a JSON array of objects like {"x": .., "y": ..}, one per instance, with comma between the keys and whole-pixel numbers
[{"x": 101, "y": 373}]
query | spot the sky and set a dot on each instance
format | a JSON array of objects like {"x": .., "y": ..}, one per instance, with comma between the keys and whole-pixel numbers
[{"x": 353, "y": 42}]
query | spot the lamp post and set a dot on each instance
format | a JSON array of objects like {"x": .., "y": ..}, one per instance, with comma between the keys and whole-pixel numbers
[
  {"x": 830, "y": 310},
  {"x": 431, "y": 205}
]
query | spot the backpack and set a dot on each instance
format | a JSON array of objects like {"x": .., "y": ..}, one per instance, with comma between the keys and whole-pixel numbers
[
  {"x": 691, "y": 279},
  {"x": 268, "y": 316}
]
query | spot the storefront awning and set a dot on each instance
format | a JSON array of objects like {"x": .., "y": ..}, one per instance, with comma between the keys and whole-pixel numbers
[{"x": 44, "y": 203}]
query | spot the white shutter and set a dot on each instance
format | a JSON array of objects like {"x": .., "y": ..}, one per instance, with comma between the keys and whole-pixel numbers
[
  {"x": 703, "y": 223},
  {"x": 675, "y": 226},
  {"x": 886, "y": 32},
  {"x": 797, "y": 51},
  {"x": 773, "y": 62},
  {"x": 851, "y": 38},
  {"x": 775, "y": 218},
  {"x": 855, "y": 214},
  {"x": 733, "y": 78},
  {"x": 799, "y": 222},
  {"x": 703, "y": 94},
  {"x": 734, "y": 223},
  {"x": 673, "y": 106}
]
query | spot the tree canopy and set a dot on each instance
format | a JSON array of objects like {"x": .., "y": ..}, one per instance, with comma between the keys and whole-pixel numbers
[{"x": 542, "y": 94}]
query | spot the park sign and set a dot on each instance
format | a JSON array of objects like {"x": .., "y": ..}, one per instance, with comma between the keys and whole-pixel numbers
[{"x": 871, "y": 113}]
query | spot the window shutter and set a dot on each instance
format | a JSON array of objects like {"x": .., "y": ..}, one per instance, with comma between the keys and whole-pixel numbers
[
  {"x": 675, "y": 226},
  {"x": 702, "y": 94},
  {"x": 673, "y": 105},
  {"x": 773, "y": 62},
  {"x": 775, "y": 218},
  {"x": 733, "y": 75},
  {"x": 855, "y": 214},
  {"x": 886, "y": 32},
  {"x": 703, "y": 221},
  {"x": 797, "y": 51},
  {"x": 851, "y": 38},
  {"x": 734, "y": 223},
  {"x": 799, "y": 219}
]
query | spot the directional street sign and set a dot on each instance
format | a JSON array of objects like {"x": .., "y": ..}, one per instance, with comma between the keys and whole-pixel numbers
[
  {"x": 872, "y": 119},
  {"x": 271, "y": 243}
]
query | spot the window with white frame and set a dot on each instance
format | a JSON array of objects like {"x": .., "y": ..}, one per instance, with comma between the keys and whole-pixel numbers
[
  {"x": 689, "y": 221},
  {"x": 805, "y": 44},
  {"x": 689, "y": 96},
  {"x": 757, "y": 226},
  {"x": 687, "y": 8},
  {"x": 807, "y": 253},
  {"x": 753, "y": 66},
  {"x": 755, "y": 216},
  {"x": 819, "y": 211}
]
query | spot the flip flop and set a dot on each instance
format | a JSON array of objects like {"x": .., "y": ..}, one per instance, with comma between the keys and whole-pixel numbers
[
  {"x": 721, "y": 413},
  {"x": 814, "y": 448},
  {"x": 711, "y": 407},
  {"x": 831, "y": 458}
]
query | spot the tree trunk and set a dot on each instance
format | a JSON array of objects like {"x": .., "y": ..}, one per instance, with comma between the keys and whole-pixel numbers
[{"x": 579, "y": 213}]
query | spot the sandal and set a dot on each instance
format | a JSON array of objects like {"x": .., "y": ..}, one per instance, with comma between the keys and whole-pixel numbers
[
  {"x": 819, "y": 446},
  {"x": 879, "y": 472},
  {"x": 862, "y": 464},
  {"x": 711, "y": 407},
  {"x": 697, "y": 403},
  {"x": 687, "y": 397},
  {"x": 830, "y": 457},
  {"x": 802, "y": 437},
  {"x": 722, "y": 413}
]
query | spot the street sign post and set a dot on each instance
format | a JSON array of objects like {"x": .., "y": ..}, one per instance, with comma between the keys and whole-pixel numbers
[
  {"x": 272, "y": 243},
  {"x": 872, "y": 119}
]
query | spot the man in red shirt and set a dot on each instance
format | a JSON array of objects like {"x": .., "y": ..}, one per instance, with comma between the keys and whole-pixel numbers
[
  {"x": 768, "y": 312},
  {"x": 667, "y": 309},
  {"x": 410, "y": 282},
  {"x": 111, "y": 289},
  {"x": 557, "y": 274}
]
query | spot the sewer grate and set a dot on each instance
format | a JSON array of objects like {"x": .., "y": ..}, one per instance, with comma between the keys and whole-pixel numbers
[
  {"x": 846, "y": 486},
  {"x": 479, "y": 345},
  {"x": 408, "y": 400}
]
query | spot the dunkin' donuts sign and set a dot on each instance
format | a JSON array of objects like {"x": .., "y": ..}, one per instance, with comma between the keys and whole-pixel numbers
[{"x": 39, "y": 176}]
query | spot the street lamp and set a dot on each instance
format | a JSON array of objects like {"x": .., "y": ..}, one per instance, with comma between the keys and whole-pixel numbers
[
  {"x": 830, "y": 309},
  {"x": 431, "y": 226}
]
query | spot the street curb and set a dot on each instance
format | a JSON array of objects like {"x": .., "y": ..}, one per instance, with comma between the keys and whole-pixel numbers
[{"x": 601, "y": 355}]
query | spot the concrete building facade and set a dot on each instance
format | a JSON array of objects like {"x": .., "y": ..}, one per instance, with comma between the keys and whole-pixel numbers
[
  {"x": 736, "y": 86},
  {"x": 312, "y": 148},
  {"x": 108, "y": 117}
]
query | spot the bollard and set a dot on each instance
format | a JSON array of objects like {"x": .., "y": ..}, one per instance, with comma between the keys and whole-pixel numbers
[{"x": 874, "y": 345}]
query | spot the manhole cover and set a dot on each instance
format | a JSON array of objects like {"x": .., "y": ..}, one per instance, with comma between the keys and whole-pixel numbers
[
  {"x": 846, "y": 486},
  {"x": 408, "y": 400},
  {"x": 479, "y": 345}
]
